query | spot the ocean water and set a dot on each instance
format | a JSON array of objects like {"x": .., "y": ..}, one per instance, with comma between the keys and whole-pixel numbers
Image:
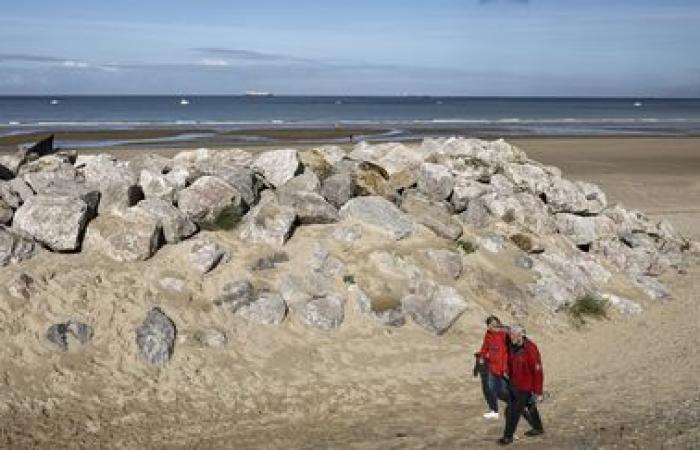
[{"x": 405, "y": 116}]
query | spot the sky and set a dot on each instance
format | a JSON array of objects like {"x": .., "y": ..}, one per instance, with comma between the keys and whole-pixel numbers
[{"x": 362, "y": 47}]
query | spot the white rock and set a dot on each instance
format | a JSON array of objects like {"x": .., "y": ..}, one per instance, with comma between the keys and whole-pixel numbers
[{"x": 278, "y": 166}]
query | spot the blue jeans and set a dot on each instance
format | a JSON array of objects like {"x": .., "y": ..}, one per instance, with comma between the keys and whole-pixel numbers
[{"x": 494, "y": 387}]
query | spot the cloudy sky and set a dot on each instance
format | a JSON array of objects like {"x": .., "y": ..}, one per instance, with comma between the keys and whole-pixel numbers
[{"x": 388, "y": 47}]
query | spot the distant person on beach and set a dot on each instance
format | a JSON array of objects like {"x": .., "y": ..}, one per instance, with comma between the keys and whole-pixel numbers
[
  {"x": 492, "y": 365},
  {"x": 526, "y": 379}
]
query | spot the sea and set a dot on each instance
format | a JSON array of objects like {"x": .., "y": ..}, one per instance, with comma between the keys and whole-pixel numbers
[{"x": 401, "y": 117}]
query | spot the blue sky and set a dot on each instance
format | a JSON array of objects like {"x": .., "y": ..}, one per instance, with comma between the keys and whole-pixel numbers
[{"x": 389, "y": 47}]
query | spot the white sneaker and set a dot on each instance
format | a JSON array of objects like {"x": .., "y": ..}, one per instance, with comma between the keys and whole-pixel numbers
[{"x": 491, "y": 415}]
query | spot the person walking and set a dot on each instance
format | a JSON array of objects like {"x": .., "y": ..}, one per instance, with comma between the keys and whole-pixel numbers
[
  {"x": 526, "y": 381},
  {"x": 492, "y": 365}
]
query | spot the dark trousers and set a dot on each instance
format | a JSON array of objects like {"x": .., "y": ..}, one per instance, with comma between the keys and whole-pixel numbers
[
  {"x": 521, "y": 404},
  {"x": 493, "y": 387}
]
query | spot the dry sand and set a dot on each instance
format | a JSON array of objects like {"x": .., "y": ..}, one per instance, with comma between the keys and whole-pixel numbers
[{"x": 621, "y": 383}]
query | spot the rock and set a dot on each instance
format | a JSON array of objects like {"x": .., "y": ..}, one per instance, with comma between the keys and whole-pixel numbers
[
  {"x": 56, "y": 221},
  {"x": 10, "y": 164},
  {"x": 530, "y": 177},
  {"x": 332, "y": 154},
  {"x": 338, "y": 189},
  {"x": 477, "y": 214},
  {"x": 396, "y": 158},
  {"x": 466, "y": 190},
  {"x": 597, "y": 200},
  {"x": 310, "y": 207},
  {"x": 501, "y": 184},
  {"x": 22, "y": 286},
  {"x": 175, "y": 224},
  {"x": 211, "y": 337},
  {"x": 565, "y": 196},
  {"x": 324, "y": 313},
  {"x": 624, "y": 306},
  {"x": 59, "y": 334},
  {"x": 9, "y": 197},
  {"x": 492, "y": 243},
  {"x": 378, "y": 212},
  {"x": 495, "y": 153},
  {"x": 242, "y": 179},
  {"x": 391, "y": 317},
  {"x": 172, "y": 284},
  {"x": 434, "y": 215},
  {"x": 20, "y": 188},
  {"x": 150, "y": 162},
  {"x": 203, "y": 254},
  {"x": 347, "y": 233},
  {"x": 523, "y": 209},
  {"x": 434, "y": 307},
  {"x": 523, "y": 261},
  {"x": 527, "y": 242},
  {"x": 118, "y": 185},
  {"x": 234, "y": 295},
  {"x": 127, "y": 236},
  {"x": 278, "y": 166},
  {"x": 583, "y": 230},
  {"x": 155, "y": 338},
  {"x": 652, "y": 288},
  {"x": 323, "y": 262},
  {"x": 306, "y": 182},
  {"x": 14, "y": 248},
  {"x": 372, "y": 180},
  {"x": 267, "y": 308},
  {"x": 269, "y": 222},
  {"x": 447, "y": 263},
  {"x": 6, "y": 213},
  {"x": 269, "y": 261},
  {"x": 435, "y": 181},
  {"x": 211, "y": 203},
  {"x": 156, "y": 185}
]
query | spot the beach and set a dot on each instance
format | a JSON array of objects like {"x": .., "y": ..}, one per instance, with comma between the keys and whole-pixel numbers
[{"x": 628, "y": 382}]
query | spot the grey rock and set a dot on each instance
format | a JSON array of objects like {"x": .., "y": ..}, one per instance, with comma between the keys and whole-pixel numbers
[
  {"x": 269, "y": 261},
  {"x": 204, "y": 254},
  {"x": 434, "y": 215},
  {"x": 175, "y": 224},
  {"x": 530, "y": 177},
  {"x": 501, "y": 184},
  {"x": 435, "y": 181},
  {"x": 306, "y": 182},
  {"x": 278, "y": 166},
  {"x": 338, "y": 189},
  {"x": 597, "y": 200},
  {"x": 8, "y": 196},
  {"x": 157, "y": 185},
  {"x": 434, "y": 307},
  {"x": 242, "y": 179},
  {"x": 22, "y": 286},
  {"x": 14, "y": 247},
  {"x": 267, "y": 308},
  {"x": 155, "y": 338},
  {"x": 21, "y": 188},
  {"x": 150, "y": 162},
  {"x": 56, "y": 221},
  {"x": 447, "y": 263},
  {"x": 310, "y": 207},
  {"x": 268, "y": 223},
  {"x": 6, "y": 213},
  {"x": 235, "y": 295},
  {"x": 324, "y": 313},
  {"x": 118, "y": 185},
  {"x": 466, "y": 190},
  {"x": 211, "y": 337},
  {"x": 378, "y": 212},
  {"x": 126, "y": 236},
  {"x": 210, "y": 200},
  {"x": 62, "y": 334},
  {"x": 563, "y": 195},
  {"x": 476, "y": 215}
]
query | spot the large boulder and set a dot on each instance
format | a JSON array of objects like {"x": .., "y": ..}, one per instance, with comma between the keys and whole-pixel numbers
[
  {"x": 435, "y": 181},
  {"x": 126, "y": 236},
  {"x": 597, "y": 200},
  {"x": 211, "y": 203},
  {"x": 372, "y": 180},
  {"x": 563, "y": 195},
  {"x": 118, "y": 185},
  {"x": 433, "y": 214},
  {"x": 466, "y": 190},
  {"x": 434, "y": 307},
  {"x": 278, "y": 166},
  {"x": 19, "y": 187},
  {"x": 157, "y": 185},
  {"x": 447, "y": 263},
  {"x": 338, "y": 189},
  {"x": 14, "y": 247},
  {"x": 530, "y": 177},
  {"x": 155, "y": 338},
  {"x": 268, "y": 222},
  {"x": 8, "y": 196},
  {"x": 306, "y": 182},
  {"x": 310, "y": 207},
  {"x": 176, "y": 225},
  {"x": 583, "y": 230},
  {"x": 56, "y": 221},
  {"x": 378, "y": 212},
  {"x": 266, "y": 308}
]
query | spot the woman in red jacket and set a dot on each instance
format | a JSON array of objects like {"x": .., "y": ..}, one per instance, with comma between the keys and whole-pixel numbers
[
  {"x": 493, "y": 362},
  {"x": 526, "y": 379}
]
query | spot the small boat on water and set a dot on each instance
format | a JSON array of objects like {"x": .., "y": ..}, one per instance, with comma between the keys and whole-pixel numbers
[
  {"x": 55, "y": 101},
  {"x": 184, "y": 101},
  {"x": 258, "y": 94},
  {"x": 638, "y": 104}
]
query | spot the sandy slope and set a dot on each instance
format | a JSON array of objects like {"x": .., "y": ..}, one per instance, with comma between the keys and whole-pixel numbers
[{"x": 623, "y": 383}]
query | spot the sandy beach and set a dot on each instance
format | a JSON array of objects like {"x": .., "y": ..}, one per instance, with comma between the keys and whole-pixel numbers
[{"x": 626, "y": 382}]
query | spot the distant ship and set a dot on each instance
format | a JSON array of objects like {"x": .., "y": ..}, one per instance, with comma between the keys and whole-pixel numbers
[
  {"x": 258, "y": 94},
  {"x": 55, "y": 101},
  {"x": 184, "y": 101},
  {"x": 638, "y": 104}
]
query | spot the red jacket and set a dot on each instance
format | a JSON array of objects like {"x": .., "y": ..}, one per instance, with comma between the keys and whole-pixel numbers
[
  {"x": 494, "y": 350},
  {"x": 525, "y": 368}
]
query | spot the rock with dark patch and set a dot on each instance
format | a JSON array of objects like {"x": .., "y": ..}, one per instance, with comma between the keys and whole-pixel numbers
[
  {"x": 6, "y": 213},
  {"x": 371, "y": 180},
  {"x": 211, "y": 203},
  {"x": 235, "y": 294},
  {"x": 378, "y": 212},
  {"x": 118, "y": 185},
  {"x": 155, "y": 338},
  {"x": 15, "y": 247},
  {"x": 466, "y": 190},
  {"x": 269, "y": 261},
  {"x": 157, "y": 185},
  {"x": 175, "y": 224},
  {"x": 266, "y": 308},
  {"x": 22, "y": 286},
  {"x": 63, "y": 334},
  {"x": 56, "y": 221}
]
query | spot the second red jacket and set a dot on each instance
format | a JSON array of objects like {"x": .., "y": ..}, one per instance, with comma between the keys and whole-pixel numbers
[
  {"x": 494, "y": 350},
  {"x": 525, "y": 368}
]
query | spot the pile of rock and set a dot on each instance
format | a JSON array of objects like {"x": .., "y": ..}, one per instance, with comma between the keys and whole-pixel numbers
[{"x": 563, "y": 232}]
